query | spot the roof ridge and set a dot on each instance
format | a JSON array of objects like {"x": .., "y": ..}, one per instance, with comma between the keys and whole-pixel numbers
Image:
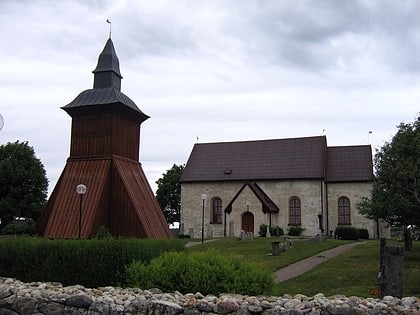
[{"x": 263, "y": 140}]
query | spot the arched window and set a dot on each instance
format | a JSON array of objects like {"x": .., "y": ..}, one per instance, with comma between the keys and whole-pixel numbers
[
  {"x": 216, "y": 211},
  {"x": 294, "y": 211},
  {"x": 344, "y": 211}
]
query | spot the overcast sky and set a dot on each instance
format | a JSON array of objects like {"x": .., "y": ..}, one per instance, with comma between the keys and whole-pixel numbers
[{"x": 213, "y": 70}]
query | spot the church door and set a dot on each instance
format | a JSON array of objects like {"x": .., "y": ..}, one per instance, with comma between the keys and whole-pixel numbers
[{"x": 248, "y": 222}]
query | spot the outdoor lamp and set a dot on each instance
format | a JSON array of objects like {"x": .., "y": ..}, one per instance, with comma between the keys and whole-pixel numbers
[{"x": 81, "y": 190}]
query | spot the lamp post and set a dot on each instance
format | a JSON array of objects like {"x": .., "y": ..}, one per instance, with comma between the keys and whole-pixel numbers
[
  {"x": 203, "y": 199},
  {"x": 81, "y": 190}
]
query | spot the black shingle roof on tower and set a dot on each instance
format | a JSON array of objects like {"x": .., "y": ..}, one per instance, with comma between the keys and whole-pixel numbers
[{"x": 106, "y": 87}]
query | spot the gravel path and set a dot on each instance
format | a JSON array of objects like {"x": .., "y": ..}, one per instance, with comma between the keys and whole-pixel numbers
[{"x": 307, "y": 264}]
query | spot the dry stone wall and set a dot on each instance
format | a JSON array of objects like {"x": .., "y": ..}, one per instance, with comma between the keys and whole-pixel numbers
[{"x": 37, "y": 298}]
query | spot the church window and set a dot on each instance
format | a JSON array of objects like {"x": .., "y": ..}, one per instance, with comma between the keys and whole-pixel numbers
[
  {"x": 294, "y": 211},
  {"x": 344, "y": 211},
  {"x": 216, "y": 211}
]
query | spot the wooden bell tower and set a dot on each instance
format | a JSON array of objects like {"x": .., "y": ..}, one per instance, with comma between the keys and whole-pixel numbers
[{"x": 104, "y": 156}]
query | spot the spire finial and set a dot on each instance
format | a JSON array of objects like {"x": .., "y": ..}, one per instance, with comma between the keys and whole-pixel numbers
[{"x": 109, "y": 22}]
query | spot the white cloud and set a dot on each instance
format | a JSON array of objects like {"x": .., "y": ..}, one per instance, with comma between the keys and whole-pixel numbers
[{"x": 217, "y": 70}]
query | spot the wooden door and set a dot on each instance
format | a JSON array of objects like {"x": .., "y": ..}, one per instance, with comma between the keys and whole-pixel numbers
[{"x": 248, "y": 222}]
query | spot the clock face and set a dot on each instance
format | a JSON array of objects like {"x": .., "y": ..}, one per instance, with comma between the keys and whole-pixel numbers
[{"x": 1, "y": 122}]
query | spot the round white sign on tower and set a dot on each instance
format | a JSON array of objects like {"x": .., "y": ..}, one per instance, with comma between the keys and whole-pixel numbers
[{"x": 1, "y": 122}]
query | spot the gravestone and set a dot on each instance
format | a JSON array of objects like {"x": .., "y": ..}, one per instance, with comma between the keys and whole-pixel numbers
[{"x": 275, "y": 248}]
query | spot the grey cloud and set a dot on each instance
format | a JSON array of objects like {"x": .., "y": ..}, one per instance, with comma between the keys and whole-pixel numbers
[{"x": 302, "y": 33}]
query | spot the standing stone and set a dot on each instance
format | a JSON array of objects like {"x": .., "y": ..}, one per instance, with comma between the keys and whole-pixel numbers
[{"x": 391, "y": 278}]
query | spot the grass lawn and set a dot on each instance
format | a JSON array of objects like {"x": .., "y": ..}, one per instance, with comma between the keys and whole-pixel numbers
[
  {"x": 258, "y": 249},
  {"x": 353, "y": 273}
]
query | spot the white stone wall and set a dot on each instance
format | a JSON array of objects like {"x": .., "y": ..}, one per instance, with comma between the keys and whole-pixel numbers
[
  {"x": 353, "y": 191},
  {"x": 312, "y": 195}
]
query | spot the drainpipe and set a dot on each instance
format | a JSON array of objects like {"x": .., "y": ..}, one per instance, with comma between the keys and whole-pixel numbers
[
  {"x": 322, "y": 207},
  {"x": 326, "y": 209},
  {"x": 224, "y": 226}
]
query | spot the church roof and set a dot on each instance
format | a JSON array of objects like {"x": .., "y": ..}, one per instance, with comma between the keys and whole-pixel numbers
[
  {"x": 106, "y": 88},
  {"x": 267, "y": 205},
  {"x": 103, "y": 96},
  {"x": 349, "y": 163},
  {"x": 277, "y": 159}
]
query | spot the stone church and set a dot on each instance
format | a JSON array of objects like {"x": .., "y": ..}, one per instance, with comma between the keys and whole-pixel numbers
[{"x": 229, "y": 187}]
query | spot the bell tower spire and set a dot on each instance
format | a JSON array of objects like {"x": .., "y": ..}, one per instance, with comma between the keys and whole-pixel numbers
[{"x": 107, "y": 72}]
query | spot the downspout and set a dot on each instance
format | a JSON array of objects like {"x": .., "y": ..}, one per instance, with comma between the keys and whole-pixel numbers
[
  {"x": 224, "y": 226},
  {"x": 326, "y": 209},
  {"x": 322, "y": 207}
]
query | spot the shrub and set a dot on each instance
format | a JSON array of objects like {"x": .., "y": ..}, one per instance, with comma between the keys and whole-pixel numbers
[
  {"x": 363, "y": 234},
  {"x": 276, "y": 231},
  {"x": 346, "y": 233},
  {"x": 103, "y": 232},
  {"x": 263, "y": 230},
  {"x": 207, "y": 272},
  {"x": 20, "y": 228},
  {"x": 295, "y": 231},
  {"x": 92, "y": 263}
]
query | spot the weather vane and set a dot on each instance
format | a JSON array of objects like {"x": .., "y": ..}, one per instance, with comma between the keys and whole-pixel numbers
[{"x": 110, "y": 29}]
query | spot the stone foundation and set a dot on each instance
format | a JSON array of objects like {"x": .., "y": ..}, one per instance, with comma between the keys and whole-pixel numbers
[{"x": 37, "y": 298}]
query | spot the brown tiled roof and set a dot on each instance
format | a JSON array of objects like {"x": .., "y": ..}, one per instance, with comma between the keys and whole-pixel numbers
[
  {"x": 278, "y": 159},
  {"x": 349, "y": 164},
  {"x": 295, "y": 158}
]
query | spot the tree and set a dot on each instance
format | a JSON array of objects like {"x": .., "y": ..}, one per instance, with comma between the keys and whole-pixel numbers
[
  {"x": 23, "y": 183},
  {"x": 168, "y": 193},
  {"x": 395, "y": 194}
]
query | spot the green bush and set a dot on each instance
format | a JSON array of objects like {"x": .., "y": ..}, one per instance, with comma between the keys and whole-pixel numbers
[
  {"x": 295, "y": 230},
  {"x": 27, "y": 227},
  {"x": 207, "y": 272},
  {"x": 363, "y": 234},
  {"x": 92, "y": 263},
  {"x": 263, "y": 230},
  {"x": 276, "y": 231},
  {"x": 346, "y": 233},
  {"x": 103, "y": 232}
]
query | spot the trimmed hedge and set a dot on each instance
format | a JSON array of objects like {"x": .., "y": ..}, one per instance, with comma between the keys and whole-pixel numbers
[
  {"x": 263, "y": 230},
  {"x": 276, "y": 231},
  {"x": 346, "y": 233},
  {"x": 207, "y": 272},
  {"x": 363, "y": 234},
  {"x": 295, "y": 231},
  {"x": 89, "y": 262}
]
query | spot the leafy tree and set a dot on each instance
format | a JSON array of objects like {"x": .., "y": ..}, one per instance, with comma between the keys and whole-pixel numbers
[
  {"x": 23, "y": 183},
  {"x": 395, "y": 195},
  {"x": 168, "y": 193}
]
